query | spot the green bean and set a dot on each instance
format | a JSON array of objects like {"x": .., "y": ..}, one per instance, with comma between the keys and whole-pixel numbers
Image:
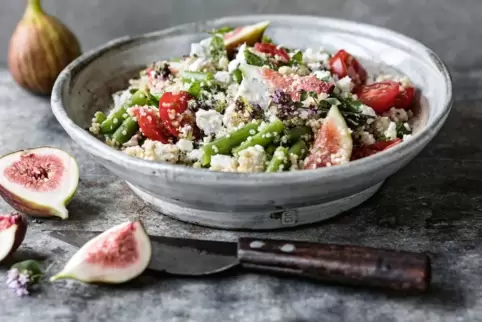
[
  {"x": 124, "y": 132},
  {"x": 299, "y": 148},
  {"x": 296, "y": 133},
  {"x": 115, "y": 119},
  {"x": 188, "y": 77},
  {"x": 279, "y": 161},
  {"x": 237, "y": 76},
  {"x": 264, "y": 137},
  {"x": 225, "y": 144},
  {"x": 99, "y": 117},
  {"x": 270, "y": 150}
]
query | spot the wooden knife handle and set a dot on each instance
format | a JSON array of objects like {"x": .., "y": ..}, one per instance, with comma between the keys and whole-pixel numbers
[{"x": 346, "y": 264}]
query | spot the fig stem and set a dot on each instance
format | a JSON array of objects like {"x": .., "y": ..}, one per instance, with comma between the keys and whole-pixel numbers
[{"x": 34, "y": 6}]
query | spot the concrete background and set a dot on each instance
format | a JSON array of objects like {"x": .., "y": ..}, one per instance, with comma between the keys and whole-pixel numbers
[{"x": 434, "y": 204}]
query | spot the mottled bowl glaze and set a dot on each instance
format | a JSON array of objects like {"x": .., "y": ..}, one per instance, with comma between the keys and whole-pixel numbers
[{"x": 262, "y": 200}]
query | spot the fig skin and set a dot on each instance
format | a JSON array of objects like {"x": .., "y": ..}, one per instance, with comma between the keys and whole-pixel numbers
[
  {"x": 31, "y": 208},
  {"x": 40, "y": 48},
  {"x": 20, "y": 231},
  {"x": 249, "y": 34}
]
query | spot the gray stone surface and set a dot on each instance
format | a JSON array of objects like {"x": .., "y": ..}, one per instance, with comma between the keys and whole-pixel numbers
[{"x": 434, "y": 204}]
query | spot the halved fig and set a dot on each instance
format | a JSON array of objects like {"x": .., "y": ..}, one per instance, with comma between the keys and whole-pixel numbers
[
  {"x": 13, "y": 228},
  {"x": 333, "y": 143},
  {"x": 247, "y": 34},
  {"x": 39, "y": 182},
  {"x": 115, "y": 256}
]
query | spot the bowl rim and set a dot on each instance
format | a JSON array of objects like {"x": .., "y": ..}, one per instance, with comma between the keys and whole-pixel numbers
[{"x": 186, "y": 173}]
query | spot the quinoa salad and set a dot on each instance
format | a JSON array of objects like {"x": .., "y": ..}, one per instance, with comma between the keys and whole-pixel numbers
[{"x": 239, "y": 102}]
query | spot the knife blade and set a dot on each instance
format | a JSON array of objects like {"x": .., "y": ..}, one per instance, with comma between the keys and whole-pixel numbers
[
  {"x": 343, "y": 264},
  {"x": 176, "y": 256}
]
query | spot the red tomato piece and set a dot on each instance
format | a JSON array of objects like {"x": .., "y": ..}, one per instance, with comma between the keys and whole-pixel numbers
[
  {"x": 174, "y": 111},
  {"x": 367, "y": 150},
  {"x": 343, "y": 64},
  {"x": 150, "y": 124},
  {"x": 405, "y": 98},
  {"x": 273, "y": 50},
  {"x": 379, "y": 96}
]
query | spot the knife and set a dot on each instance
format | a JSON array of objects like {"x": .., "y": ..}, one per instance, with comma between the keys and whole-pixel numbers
[{"x": 343, "y": 264}]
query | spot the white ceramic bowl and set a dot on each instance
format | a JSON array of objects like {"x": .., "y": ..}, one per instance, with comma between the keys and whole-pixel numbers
[{"x": 253, "y": 200}]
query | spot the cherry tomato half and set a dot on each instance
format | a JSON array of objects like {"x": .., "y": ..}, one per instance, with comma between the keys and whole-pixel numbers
[
  {"x": 367, "y": 150},
  {"x": 273, "y": 50},
  {"x": 174, "y": 111},
  {"x": 405, "y": 98},
  {"x": 379, "y": 96},
  {"x": 150, "y": 124},
  {"x": 343, "y": 64}
]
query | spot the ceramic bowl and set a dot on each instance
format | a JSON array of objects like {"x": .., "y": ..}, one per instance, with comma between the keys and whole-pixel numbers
[{"x": 252, "y": 200}]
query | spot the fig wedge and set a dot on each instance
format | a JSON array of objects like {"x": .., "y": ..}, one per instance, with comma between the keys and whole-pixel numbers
[
  {"x": 247, "y": 34},
  {"x": 13, "y": 228},
  {"x": 39, "y": 182},
  {"x": 116, "y": 256}
]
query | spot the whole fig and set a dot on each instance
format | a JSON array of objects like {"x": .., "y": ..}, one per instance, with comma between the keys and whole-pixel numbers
[{"x": 40, "y": 48}]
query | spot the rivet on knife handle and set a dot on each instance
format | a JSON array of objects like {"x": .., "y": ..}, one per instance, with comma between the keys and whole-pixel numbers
[{"x": 352, "y": 265}]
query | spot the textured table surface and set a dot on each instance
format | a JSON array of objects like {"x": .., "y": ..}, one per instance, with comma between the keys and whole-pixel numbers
[{"x": 434, "y": 204}]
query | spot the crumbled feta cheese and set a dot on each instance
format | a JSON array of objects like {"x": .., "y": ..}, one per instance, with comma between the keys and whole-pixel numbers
[
  {"x": 310, "y": 56},
  {"x": 222, "y": 77},
  {"x": 201, "y": 49},
  {"x": 397, "y": 114},
  {"x": 323, "y": 75},
  {"x": 209, "y": 121},
  {"x": 391, "y": 132},
  {"x": 194, "y": 155},
  {"x": 367, "y": 110},
  {"x": 345, "y": 84},
  {"x": 223, "y": 62},
  {"x": 240, "y": 57},
  {"x": 407, "y": 137},
  {"x": 197, "y": 65},
  {"x": 233, "y": 64},
  {"x": 184, "y": 145},
  {"x": 255, "y": 90},
  {"x": 133, "y": 141},
  {"x": 121, "y": 97},
  {"x": 223, "y": 163},
  {"x": 252, "y": 159}
]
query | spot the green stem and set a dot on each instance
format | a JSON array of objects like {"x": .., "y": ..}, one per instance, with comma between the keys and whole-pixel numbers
[{"x": 34, "y": 6}]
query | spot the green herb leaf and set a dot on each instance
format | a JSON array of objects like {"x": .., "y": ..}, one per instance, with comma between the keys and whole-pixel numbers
[
  {"x": 31, "y": 267},
  {"x": 195, "y": 89},
  {"x": 303, "y": 95},
  {"x": 297, "y": 58},
  {"x": 217, "y": 49},
  {"x": 266, "y": 39},
  {"x": 237, "y": 76},
  {"x": 402, "y": 130},
  {"x": 221, "y": 31},
  {"x": 253, "y": 59}
]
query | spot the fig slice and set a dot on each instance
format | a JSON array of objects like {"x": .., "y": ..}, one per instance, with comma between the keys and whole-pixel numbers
[
  {"x": 246, "y": 34},
  {"x": 333, "y": 143},
  {"x": 13, "y": 228},
  {"x": 39, "y": 182},
  {"x": 118, "y": 255}
]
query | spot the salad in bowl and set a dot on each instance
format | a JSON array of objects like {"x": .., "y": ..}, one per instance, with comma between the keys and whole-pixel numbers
[{"x": 237, "y": 102}]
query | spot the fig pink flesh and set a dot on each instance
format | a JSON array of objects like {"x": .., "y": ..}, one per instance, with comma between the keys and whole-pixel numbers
[
  {"x": 6, "y": 222},
  {"x": 293, "y": 84},
  {"x": 41, "y": 173},
  {"x": 118, "y": 249}
]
